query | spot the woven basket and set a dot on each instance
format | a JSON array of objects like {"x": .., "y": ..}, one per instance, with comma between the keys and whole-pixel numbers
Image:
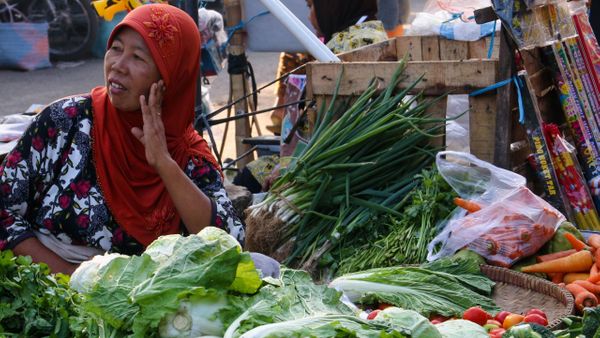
[{"x": 518, "y": 292}]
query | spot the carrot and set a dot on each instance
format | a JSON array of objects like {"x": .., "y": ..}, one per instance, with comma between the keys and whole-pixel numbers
[
  {"x": 594, "y": 270},
  {"x": 583, "y": 298},
  {"x": 594, "y": 278},
  {"x": 556, "y": 277},
  {"x": 591, "y": 287},
  {"x": 597, "y": 258},
  {"x": 577, "y": 262},
  {"x": 575, "y": 276},
  {"x": 594, "y": 241},
  {"x": 556, "y": 255},
  {"x": 575, "y": 242},
  {"x": 469, "y": 206}
]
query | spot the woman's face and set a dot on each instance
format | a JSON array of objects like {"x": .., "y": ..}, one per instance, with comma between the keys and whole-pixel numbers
[
  {"x": 129, "y": 70},
  {"x": 312, "y": 17}
]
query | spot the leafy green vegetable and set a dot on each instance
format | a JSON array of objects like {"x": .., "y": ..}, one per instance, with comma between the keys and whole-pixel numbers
[
  {"x": 294, "y": 298},
  {"x": 469, "y": 255},
  {"x": 408, "y": 235},
  {"x": 587, "y": 326},
  {"x": 419, "y": 289},
  {"x": 591, "y": 322},
  {"x": 559, "y": 242},
  {"x": 459, "y": 328},
  {"x": 529, "y": 330},
  {"x": 408, "y": 322},
  {"x": 464, "y": 270},
  {"x": 33, "y": 302},
  {"x": 324, "y": 326},
  {"x": 176, "y": 275}
]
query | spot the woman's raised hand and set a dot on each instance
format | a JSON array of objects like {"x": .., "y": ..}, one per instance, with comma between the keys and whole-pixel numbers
[{"x": 153, "y": 134}]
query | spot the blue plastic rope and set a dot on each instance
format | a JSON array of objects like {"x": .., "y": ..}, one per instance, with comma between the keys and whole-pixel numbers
[
  {"x": 491, "y": 48},
  {"x": 518, "y": 86},
  {"x": 455, "y": 16},
  {"x": 492, "y": 87},
  {"x": 241, "y": 25}
]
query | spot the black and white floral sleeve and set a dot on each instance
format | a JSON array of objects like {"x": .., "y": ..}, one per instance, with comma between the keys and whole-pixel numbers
[
  {"x": 209, "y": 180},
  {"x": 27, "y": 172}
]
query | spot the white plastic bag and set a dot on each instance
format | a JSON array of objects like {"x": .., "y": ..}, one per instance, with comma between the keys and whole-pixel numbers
[{"x": 512, "y": 223}]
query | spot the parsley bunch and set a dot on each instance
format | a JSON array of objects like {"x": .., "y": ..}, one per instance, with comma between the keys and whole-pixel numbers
[{"x": 33, "y": 302}]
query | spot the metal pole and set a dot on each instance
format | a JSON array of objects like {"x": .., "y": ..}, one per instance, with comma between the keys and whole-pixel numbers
[{"x": 238, "y": 82}]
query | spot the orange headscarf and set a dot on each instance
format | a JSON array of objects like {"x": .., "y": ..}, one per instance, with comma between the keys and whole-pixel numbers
[{"x": 134, "y": 192}]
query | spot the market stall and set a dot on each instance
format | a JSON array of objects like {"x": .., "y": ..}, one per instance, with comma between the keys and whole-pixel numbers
[{"x": 381, "y": 230}]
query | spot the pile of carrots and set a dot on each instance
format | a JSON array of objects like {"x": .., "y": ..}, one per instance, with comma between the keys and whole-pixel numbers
[
  {"x": 577, "y": 269},
  {"x": 510, "y": 233}
]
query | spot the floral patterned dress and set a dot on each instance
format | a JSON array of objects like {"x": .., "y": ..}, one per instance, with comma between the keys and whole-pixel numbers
[{"x": 48, "y": 184}]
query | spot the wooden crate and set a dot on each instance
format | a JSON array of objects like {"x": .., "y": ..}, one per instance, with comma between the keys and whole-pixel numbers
[{"x": 455, "y": 67}]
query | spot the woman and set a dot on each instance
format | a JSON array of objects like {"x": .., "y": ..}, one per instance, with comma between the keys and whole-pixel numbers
[{"x": 114, "y": 169}]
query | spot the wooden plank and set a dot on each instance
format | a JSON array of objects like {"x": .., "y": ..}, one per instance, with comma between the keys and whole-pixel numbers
[
  {"x": 504, "y": 103},
  {"x": 453, "y": 50},
  {"x": 482, "y": 126},
  {"x": 382, "y": 51},
  {"x": 478, "y": 49},
  {"x": 409, "y": 46},
  {"x": 430, "y": 50},
  {"x": 460, "y": 77}
]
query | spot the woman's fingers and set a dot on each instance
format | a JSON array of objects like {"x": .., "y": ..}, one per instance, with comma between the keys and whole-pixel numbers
[{"x": 138, "y": 133}]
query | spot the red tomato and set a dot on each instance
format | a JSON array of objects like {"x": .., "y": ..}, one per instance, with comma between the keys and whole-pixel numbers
[
  {"x": 535, "y": 318},
  {"x": 497, "y": 333},
  {"x": 373, "y": 314},
  {"x": 501, "y": 315},
  {"x": 537, "y": 312},
  {"x": 438, "y": 318},
  {"x": 476, "y": 315},
  {"x": 383, "y": 306}
]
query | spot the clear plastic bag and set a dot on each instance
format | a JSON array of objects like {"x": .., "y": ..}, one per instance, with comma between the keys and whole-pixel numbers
[{"x": 512, "y": 223}]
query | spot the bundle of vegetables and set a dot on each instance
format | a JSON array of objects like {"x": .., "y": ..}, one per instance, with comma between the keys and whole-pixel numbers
[
  {"x": 406, "y": 243},
  {"x": 178, "y": 287},
  {"x": 200, "y": 285},
  {"x": 33, "y": 303},
  {"x": 447, "y": 287},
  {"x": 353, "y": 169}
]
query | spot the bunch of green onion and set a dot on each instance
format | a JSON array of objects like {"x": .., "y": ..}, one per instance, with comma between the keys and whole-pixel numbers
[{"x": 355, "y": 167}]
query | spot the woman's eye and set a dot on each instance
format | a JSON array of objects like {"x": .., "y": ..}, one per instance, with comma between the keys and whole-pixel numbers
[{"x": 115, "y": 48}]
